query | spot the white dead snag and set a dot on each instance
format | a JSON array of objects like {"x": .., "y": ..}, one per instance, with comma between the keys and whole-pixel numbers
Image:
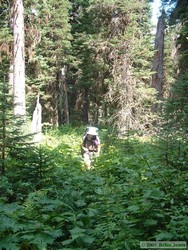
[
  {"x": 36, "y": 126},
  {"x": 19, "y": 59}
]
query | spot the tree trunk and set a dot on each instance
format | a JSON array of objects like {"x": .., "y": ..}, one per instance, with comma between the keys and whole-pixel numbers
[
  {"x": 36, "y": 125},
  {"x": 65, "y": 99},
  {"x": 19, "y": 59},
  {"x": 85, "y": 106},
  {"x": 63, "y": 108},
  {"x": 3, "y": 133},
  {"x": 157, "y": 77}
]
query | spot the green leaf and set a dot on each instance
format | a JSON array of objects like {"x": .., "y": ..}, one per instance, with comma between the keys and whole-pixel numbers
[
  {"x": 133, "y": 208},
  {"x": 150, "y": 222},
  {"x": 99, "y": 191},
  {"x": 77, "y": 232},
  {"x": 10, "y": 223},
  {"x": 9, "y": 243},
  {"x": 80, "y": 203},
  {"x": 127, "y": 247},
  {"x": 164, "y": 236},
  {"x": 67, "y": 242},
  {"x": 88, "y": 239},
  {"x": 43, "y": 238}
]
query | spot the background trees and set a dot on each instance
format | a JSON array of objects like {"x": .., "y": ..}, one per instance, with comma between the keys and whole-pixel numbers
[
  {"x": 177, "y": 103},
  {"x": 92, "y": 61},
  {"x": 104, "y": 49},
  {"x": 111, "y": 34},
  {"x": 48, "y": 38}
]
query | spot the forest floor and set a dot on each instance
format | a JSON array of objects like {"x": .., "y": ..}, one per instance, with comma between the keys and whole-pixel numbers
[{"x": 132, "y": 194}]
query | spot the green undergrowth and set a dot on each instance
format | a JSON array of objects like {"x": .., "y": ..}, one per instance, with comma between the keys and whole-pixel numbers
[{"x": 131, "y": 194}]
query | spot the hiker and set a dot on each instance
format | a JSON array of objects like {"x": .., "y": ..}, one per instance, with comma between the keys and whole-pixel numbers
[{"x": 90, "y": 145}]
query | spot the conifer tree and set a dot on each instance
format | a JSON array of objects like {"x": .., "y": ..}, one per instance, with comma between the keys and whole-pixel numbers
[
  {"x": 114, "y": 61},
  {"x": 3, "y": 127},
  {"x": 11, "y": 134},
  {"x": 48, "y": 46},
  {"x": 176, "y": 105},
  {"x": 106, "y": 49}
]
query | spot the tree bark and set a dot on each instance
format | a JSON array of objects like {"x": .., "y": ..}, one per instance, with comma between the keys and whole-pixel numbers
[
  {"x": 36, "y": 125},
  {"x": 63, "y": 107},
  {"x": 65, "y": 99},
  {"x": 19, "y": 59},
  {"x": 157, "y": 77},
  {"x": 85, "y": 106}
]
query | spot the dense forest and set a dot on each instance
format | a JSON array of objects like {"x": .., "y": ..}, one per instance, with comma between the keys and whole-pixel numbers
[{"x": 69, "y": 64}]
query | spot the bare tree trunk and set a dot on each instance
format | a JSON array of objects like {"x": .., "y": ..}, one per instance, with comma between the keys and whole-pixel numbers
[
  {"x": 157, "y": 77},
  {"x": 63, "y": 107},
  {"x": 85, "y": 106},
  {"x": 36, "y": 125},
  {"x": 65, "y": 99},
  {"x": 3, "y": 133},
  {"x": 19, "y": 59}
]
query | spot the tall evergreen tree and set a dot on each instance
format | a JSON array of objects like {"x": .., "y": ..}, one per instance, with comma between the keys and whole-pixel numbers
[
  {"x": 176, "y": 108},
  {"x": 106, "y": 49},
  {"x": 12, "y": 138},
  {"x": 113, "y": 49},
  {"x": 4, "y": 122},
  {"x": 48, "y": 45}
]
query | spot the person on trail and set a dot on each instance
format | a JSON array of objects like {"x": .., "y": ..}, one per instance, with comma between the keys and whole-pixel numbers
[{"x": 90, "y": 145}]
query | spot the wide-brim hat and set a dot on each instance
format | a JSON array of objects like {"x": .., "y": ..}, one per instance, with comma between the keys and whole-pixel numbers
[{"x": 92, "y": 131}]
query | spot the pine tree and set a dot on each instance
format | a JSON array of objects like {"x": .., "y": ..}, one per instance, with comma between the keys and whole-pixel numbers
[
  {"x": 176, "y": 106},
  {"x": 48, "y": 45},
  {"x": 106, "y": 49},
  {"x": 112, "y": 45},
  {"x": 11, "y": 133}
]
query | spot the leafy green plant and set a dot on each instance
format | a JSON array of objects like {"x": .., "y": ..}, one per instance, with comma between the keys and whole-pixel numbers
[{"x": 129, "y": 195}]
